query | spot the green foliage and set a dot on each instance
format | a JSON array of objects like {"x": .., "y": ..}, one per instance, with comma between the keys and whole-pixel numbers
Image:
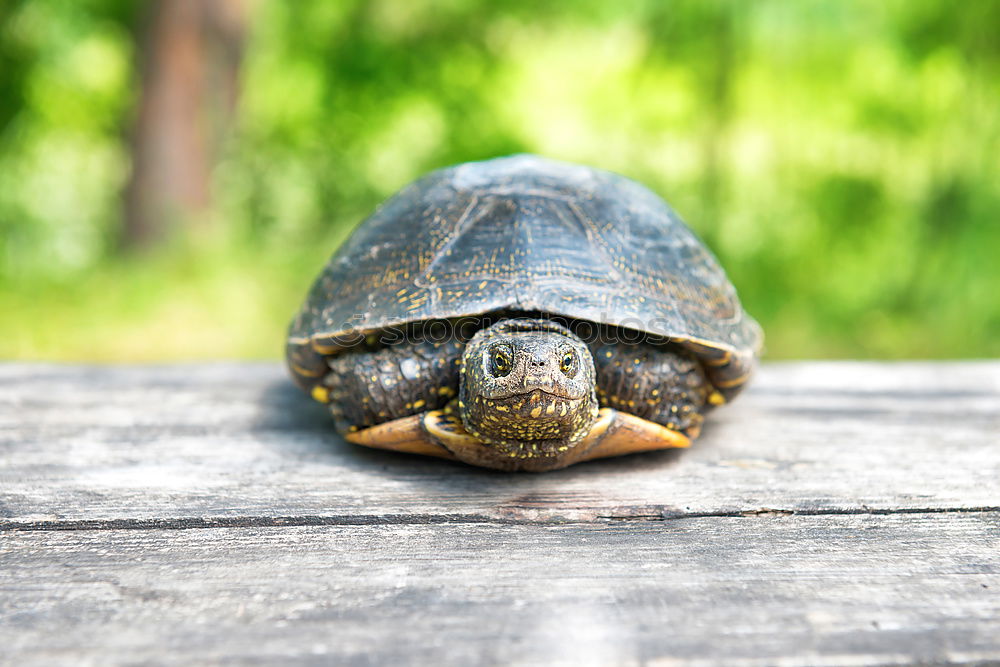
[{"x": 839, "y": 157}]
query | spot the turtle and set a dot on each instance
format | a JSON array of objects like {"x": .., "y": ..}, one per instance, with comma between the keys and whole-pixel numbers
[{"x": 522, "y": 314}]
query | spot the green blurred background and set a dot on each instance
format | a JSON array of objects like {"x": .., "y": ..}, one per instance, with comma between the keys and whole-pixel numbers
[{"x": 840, "y": 157}]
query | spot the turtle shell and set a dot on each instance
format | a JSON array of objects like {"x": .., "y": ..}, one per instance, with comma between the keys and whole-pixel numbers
[{"x": 524, "y": 233}]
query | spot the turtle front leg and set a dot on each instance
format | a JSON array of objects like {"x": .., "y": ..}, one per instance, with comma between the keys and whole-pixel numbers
[
  {"x": 407, "y": 435},
  {"x": 663, "y": 384},
  {"x": 365, "y": 388}
]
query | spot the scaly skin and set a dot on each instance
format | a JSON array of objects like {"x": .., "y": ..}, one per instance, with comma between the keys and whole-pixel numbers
[
  {"x": 528, "y": 408},
  {"x": 662, "y": 384},
  {"x": 365, "y": 387},
  {"x": 527, "y": 388}
]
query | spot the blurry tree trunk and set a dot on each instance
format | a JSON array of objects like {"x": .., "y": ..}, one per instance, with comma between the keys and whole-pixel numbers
[{"x": 190, "y": 53}]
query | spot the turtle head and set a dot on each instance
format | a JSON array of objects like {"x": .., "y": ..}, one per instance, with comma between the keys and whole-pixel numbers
[{"x": 527, "y": 388}]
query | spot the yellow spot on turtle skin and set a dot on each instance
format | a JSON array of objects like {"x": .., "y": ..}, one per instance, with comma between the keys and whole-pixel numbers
[
  {"x": 374, "y": 378},
  {"x": 461, "y": 404},
  {"x": 609, "y": 354},
  {"x": 408, "y": 406},
  {"x": 482, "y": 284},
  {"x": 550, "y": 409},
  {"x": 673, "y": 408},
  {"x": 419, "y": 404},
  {"x": 352, "y": 429},
  {"x": 637, "y": 361},
  {"x": 536, "y": 412},
  {"x": 715, "y": 398},
  {"x": 562, "y": 409},
  {"x": 520, "y": 404},
  {"x": 563, "y": 448},
  {"x": 321, "y": 394},
  {"x": 655, "y": 392},
  {"x": 503, "y": 408},
  {"x": 445, "y": 391}
]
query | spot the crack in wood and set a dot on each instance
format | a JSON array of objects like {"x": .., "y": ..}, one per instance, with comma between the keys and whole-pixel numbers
[
  {"x": 876, "y": 511},
  {"x": 191, "y": 523}
]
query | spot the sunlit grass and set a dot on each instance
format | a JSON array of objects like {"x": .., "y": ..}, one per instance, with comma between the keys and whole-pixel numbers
[{"x": 206, "y": 303}]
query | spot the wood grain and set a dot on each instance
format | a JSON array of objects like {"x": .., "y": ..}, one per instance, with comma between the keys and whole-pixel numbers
[
  {"x": 234, "y": 440},
  {"x": 837, "y": 513},
  {"x": 761, "y": 590}
]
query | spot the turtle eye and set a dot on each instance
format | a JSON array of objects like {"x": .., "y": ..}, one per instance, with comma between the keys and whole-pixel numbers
[
  {"x": 568, "y": 362},
  {"x": 501, "y": 360}
]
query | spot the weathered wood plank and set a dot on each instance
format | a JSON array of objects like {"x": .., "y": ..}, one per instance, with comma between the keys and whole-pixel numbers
[
  {"x": 338, "y": 553},
  {"x": 237, "y": 440},
  {"x": 762, "y": 590}
]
